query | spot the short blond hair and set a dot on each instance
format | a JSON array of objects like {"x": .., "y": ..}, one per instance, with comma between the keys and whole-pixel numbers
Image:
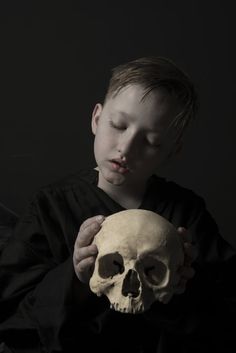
[{"x": 156, "y": 72}]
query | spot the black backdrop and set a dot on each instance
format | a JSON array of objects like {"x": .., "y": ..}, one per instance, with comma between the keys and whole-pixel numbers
[{"x": 55, "y": 64}]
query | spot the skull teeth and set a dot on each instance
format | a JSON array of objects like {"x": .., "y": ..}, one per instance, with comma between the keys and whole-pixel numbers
[{"x": 129, "y": 310}]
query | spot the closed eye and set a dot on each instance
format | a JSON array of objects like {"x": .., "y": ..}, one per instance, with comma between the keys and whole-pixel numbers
[
  {"x": 116, "y": 126},
  {"x": 154, "y": 144}
]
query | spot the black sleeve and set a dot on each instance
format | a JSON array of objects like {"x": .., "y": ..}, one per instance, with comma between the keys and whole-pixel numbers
[
  {"x": 40, "y": 293},
  {"x": 202, "y": 318},
  {"x": 209, "y": 303}
]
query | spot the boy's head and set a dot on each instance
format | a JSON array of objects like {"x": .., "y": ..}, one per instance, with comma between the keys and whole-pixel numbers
[
  {"x": 148, "y": 104},
  {"x": 154, "y": 73}
]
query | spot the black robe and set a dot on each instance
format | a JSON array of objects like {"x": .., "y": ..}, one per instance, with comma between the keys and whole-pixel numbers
[{"x": 45, "y": 308}]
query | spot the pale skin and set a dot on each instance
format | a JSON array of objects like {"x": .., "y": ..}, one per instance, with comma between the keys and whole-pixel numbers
[{"x": 132, "y": 139}]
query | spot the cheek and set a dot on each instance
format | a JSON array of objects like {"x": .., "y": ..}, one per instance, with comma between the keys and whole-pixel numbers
[
  {"x": 154, "y": 159},
  {"x": 104, "y": 141},
  {"x": 154, "y": 155}
]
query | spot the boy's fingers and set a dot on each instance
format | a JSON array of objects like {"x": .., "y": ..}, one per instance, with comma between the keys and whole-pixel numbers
[
  {"x": 181, "y": 287},
  {"x": 89, "y": 221},
  {"x": 185, "y": 235},
  {"x": 191, "y": 251},
  {"x": 85, "y": 268},
  {"x": 186, "y": 272},
  {"x": 86, "y": 235},
  {"x": 85, "y": 264},
  {"x": 85, "y": 252}
]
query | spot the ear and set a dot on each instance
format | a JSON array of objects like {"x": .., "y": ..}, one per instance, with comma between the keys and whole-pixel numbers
[{"x": 95, "y": 117}]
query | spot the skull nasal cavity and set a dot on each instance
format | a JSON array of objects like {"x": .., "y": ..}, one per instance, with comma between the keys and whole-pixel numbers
[{"x": 131, "y": 284}]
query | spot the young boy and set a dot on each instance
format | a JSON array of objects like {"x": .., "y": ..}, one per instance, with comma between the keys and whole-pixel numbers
[{"x": 46, "y": 304}]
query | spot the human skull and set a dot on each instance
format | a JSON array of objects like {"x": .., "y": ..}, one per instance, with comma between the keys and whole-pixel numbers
[{"x": 139, "y": 254}]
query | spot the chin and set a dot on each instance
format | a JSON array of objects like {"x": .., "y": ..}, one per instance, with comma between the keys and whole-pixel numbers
[
  {"x": 118, "y": 182},
  {"x": 114, "y": 178}
]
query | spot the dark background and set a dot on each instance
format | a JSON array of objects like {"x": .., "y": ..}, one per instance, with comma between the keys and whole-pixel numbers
[{"x": 55, "y": 63}]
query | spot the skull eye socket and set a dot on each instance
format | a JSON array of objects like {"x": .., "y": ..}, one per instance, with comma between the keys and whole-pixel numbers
[
  {"x": 110, "y": 265},
  {"x": 154, "y": 270}
]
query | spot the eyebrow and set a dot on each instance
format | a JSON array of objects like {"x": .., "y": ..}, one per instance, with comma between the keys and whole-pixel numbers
[{"x": 120, "y": 112}]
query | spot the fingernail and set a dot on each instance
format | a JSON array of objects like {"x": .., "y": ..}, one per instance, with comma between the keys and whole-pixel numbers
[{"x": 100, "y": 218}]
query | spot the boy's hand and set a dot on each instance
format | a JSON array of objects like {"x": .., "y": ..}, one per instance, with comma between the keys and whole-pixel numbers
[
  {"x": 84, "y": 252},
  {"x": 186, "y": 272}
]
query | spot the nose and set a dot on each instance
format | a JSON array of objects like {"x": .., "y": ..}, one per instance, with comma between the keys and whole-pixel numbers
[
  {"x": 131, "y": 284},
  {"x": 128, "y": 145}
]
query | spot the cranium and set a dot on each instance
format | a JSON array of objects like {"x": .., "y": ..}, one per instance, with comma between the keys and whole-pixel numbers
[{"x": 139, "y": 254}]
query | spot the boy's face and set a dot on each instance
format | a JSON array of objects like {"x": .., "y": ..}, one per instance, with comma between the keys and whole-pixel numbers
[{"x": 132, "y": 136}]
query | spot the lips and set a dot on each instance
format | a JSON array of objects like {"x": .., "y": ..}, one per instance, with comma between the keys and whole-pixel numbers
[
  {"x": 120, "y": 162},
  {"x": 119, "y": 166}
]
